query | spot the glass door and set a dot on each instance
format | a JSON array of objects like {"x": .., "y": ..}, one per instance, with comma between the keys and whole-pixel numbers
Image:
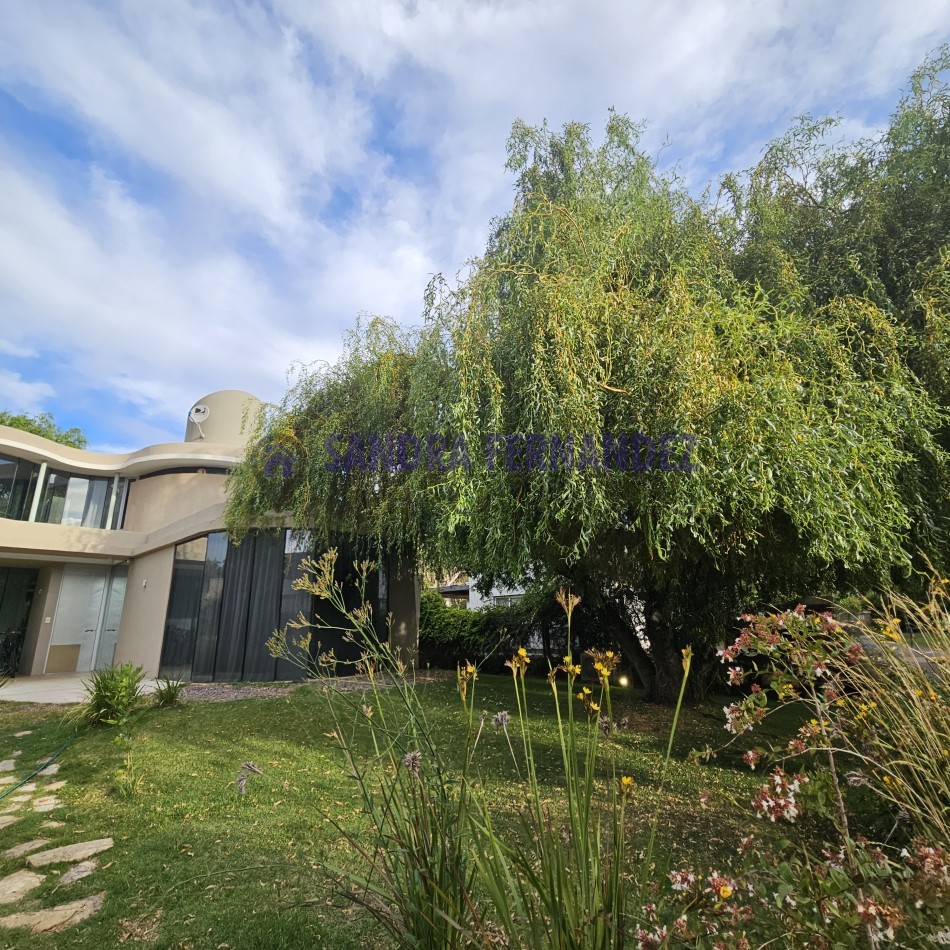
[{"x": 109, "y": 629}]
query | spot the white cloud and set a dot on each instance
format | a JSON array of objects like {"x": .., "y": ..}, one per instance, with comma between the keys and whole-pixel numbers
[
  {"x": 189, "y": 241},
  {"x": 21, "y": 395},
  {"x": 9, "y": 348}
]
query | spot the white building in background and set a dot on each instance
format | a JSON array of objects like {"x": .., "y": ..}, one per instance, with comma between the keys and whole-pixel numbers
[{"x": 497, "y": 597}]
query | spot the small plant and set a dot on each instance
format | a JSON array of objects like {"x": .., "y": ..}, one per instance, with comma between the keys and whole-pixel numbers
[
  {"x": 128, "y": 780},
  {"x": 168, "y": 693},
  {"x": 112, "y": 695}
]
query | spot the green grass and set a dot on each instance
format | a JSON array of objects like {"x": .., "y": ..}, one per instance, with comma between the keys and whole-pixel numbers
[{"x": 220, "y": 870}]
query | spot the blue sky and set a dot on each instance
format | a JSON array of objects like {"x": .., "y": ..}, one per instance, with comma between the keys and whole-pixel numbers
[{"x": 193, "y": 196}]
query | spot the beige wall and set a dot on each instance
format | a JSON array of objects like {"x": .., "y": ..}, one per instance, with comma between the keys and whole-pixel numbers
[
  {"x": 143, "y": 615},
  {"x": 25, "y": 537},
  {"x": 232, "y": 416},
  {"x": 164, "y": 499},
  {"x": 38, "y": 631}
]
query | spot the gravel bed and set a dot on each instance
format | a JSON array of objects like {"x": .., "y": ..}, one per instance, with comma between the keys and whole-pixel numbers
[{"x": 227, "y": 692}]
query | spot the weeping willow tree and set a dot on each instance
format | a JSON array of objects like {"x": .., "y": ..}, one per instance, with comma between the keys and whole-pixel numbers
[
  {"x": 607, "y": 302},
  {"x": 315, "y": 457},
  {"x": 760, "y": 441}
]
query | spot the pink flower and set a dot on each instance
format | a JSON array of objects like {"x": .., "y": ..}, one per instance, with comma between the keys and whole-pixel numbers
[
  {"x": 751, "y": 758},
  {"x": 682, "y": 880},
  {"x": 776, "y": 799},
  {"x": 736, "y": 676}
]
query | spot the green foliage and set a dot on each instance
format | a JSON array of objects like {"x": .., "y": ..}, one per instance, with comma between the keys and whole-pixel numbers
[
  {"x": 448, "y": 633},
  {"x": 168, "y": 693},
  {"x": 112, "y": 695},
  {"x": 609, "y": 304},
  {"x": 797, "y": 331},
  {"x": 416, "y": 875},
  {"x": 437, "y": 870},
  {"x": 44, "y": 425},
  {"x": 128, "y": 778}
]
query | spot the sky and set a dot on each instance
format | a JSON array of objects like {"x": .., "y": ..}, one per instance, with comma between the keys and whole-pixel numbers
[{"x": 202, "y": 196}]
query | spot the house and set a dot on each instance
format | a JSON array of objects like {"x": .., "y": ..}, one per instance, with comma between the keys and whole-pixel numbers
[
  {"x": 114, "y": 558},
  {"x": 496, "y": 597},
  {"x": 455, "y": 595}
]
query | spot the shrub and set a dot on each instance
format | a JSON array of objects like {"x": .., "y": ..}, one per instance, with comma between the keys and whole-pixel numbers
[
  {"x": 168, "y": 693},
  {"x": 447, "y": 634},
  {"x": 112, "y": 695},
  {"x": 880, "y": 721}
]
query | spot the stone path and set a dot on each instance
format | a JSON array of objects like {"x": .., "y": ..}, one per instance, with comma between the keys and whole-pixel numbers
[
  {"x": 70, "y": 852},
  {"x": 17, "y": 884},
  {"x": 53, "y": 919}
]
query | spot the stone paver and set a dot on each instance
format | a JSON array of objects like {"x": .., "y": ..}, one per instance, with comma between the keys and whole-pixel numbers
[
  {"x": 46, "y": 803},
  {"x": 7, "y": 780},
  {"x": 79, "y": 871},
  {"x": 15, "y": 885},
  {"x": 52, "y": 824},
  {"x": 7, "y": 765},
  {"x": 53, "y": 786},
  {"x": 25, "y": 848},
  {"x": 7, "y": 820},
  {"x": 70, "y": 852},
  {"x": 54, "y": 919},
  {"x": 10, "y": 806},
  {"x": 29, "y": 787},
  {"x": 19, "y": 798},
  {"x": 50, "y": 769}
]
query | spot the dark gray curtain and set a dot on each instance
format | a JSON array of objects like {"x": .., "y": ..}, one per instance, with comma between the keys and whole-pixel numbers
[
  {"x": 232, "y": 631},
  {"x": 209, "y": 617},
  {"x": 264, "y": 605},
  {"x": 184, "y": 599}
]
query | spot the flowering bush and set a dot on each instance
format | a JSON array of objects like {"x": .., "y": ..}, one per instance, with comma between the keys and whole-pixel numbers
[{"x": 879, "y": 719}]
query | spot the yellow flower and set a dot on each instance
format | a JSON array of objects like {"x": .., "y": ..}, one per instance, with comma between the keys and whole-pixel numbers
[
  {"x": 725, "y": 892},
  {"x": 626, "y": 783},
  {"x": 522, "y": 652},
  {"x": 594, "y": 707}
]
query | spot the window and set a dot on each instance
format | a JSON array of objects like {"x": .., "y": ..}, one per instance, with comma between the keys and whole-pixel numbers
[
  {"x": 17, "y": 483},
  {"x": 76, "y": 501},
  {"x": 506, "y": 600}
]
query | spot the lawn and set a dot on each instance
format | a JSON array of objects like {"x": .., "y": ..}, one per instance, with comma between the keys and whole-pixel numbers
[{"x": 196, "y": 865}]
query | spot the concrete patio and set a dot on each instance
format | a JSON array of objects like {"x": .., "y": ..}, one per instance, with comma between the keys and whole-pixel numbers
[{"x": 56, "y": 688}]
